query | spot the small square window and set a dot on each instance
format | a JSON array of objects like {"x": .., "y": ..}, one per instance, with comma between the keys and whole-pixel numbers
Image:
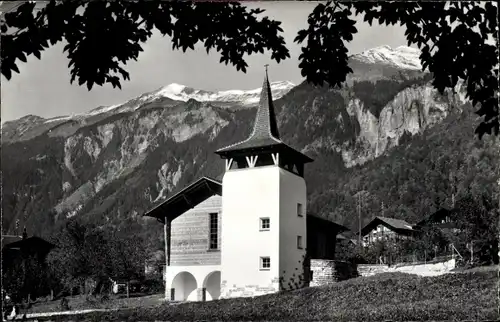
[
  {"x": 299, "y": 242},
  {"x": 265, "y": 223},
  {"x": 299, "y": 210},
  {"x": 265, "y": 263}
]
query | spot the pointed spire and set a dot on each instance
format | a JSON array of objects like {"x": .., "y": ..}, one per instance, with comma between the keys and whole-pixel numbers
[
  {"x": 265, "y": 129},
  {"x": 265, "y": 120}
]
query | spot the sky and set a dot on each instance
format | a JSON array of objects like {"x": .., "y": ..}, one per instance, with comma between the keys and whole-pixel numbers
[{"x": 43, "y": 86}]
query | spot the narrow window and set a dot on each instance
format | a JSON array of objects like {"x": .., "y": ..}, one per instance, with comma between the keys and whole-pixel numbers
[
  {"x": 265, "y": 224},
  {"x": 214, "y": 236},
  {"x": 265, "y": 263},
  {"x": 299, "y": 209},
  {"x": 299, "y": 242}
]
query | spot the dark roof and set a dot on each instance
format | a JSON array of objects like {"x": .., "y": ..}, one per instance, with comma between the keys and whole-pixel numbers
[
  {"x": 435, "y": 216},
  {"x": 265, "y": 130},
  {"x": 31, "y": 243},
  {"x": 186, "y": 199},
  {"x": 338, "y": 227},
  {"x": 9, "y": 239},
  {"x": 265, "y": 134},
  {"x": 396, "y": 225}
]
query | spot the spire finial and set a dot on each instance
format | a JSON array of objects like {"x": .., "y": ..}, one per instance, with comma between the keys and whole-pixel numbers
[{"x": 265, "y": 66}]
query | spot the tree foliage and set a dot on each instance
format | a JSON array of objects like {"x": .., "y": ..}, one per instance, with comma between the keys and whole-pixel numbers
[
  {"x": 26, "y": 275},
  {"x": 477, "y": 221},
  {"x": 102, "y": 39},
  {"x": 86, "y": 252}
]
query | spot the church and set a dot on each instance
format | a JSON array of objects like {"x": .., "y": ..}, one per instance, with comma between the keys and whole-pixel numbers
[{"x": 249, "y": 234}]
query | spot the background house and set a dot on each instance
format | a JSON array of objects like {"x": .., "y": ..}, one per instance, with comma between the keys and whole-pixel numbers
[
  {"x": 383, "y": 228},
  {"x": 444, "y": 219},
  {"x": 14, "y": 247}
]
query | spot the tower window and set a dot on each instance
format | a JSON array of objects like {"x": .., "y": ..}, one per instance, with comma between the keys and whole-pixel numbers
[
  {"x": 214, "y": 233},
  {"x": 299, "y": 242},
  {"x": 265, "y": 263},
  {"x": 265, "y": 223},
  {"x": 299, "y": 210}
]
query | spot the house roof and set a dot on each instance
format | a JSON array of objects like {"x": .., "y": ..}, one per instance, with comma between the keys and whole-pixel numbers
[
  {"x": 342, "y": 238},
  {"x": 186, "y": 199},
  {"x": 31, "y": 243},
  {"x": 397, "y": 225},
  {"x": 265, "y": 134},
  {"x": 9, "y": 239},
  {"x": 199, "y": 191},
  {"x": 324, "y": 221},
  {"x": 435, "y": 216}
]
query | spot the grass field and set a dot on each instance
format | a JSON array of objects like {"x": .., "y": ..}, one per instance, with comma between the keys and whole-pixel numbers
[
  {"x": 80, "y": 303},
  {"x": 468, "y": 295}
]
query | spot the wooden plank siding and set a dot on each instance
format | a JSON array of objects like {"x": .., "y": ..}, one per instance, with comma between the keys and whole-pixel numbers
[{"x": 191, "y": 235}]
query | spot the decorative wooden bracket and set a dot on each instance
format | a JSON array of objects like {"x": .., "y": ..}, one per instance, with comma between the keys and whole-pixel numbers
[
  {"x": 229, "y": 163},
  {"x": 251, "y": 161},
  {"x": 276, "y": 158}
]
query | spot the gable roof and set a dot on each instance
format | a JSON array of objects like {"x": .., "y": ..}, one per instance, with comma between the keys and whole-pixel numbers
[
  {"x": 9, "y": 239},
  {"x": 33, "y": 243},
  {"x": 186, "y": 199},
  {"x": 396, "y": 225},
  {"x": 435, "y": 216},
  {"x": 324, "y": 221}
]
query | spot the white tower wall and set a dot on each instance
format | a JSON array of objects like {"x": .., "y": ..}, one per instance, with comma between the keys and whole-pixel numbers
[
  {"x": 248, "y": 195},
  {"x": 292, "y": 192}
]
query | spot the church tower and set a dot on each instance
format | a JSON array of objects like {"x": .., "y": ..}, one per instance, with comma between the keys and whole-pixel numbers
[{"x": 263, "y": 233}]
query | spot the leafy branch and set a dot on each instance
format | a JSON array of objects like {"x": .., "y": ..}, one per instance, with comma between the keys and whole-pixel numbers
[{"x": 106, "y": 35}]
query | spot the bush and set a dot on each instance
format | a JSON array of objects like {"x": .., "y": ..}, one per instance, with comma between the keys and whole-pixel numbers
[{"x": 152, "y": 286}]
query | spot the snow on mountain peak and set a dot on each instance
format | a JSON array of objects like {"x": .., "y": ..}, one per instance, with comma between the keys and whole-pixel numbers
[
  {"x": 183, "y": 93},
  {"x": 178, "y": 92},
  {"x": 173, "y": 89},
  {"x": 401, "y": 57}
]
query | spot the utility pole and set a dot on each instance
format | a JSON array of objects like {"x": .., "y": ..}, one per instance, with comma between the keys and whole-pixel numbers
[
  {"x": 471, "y": 252},
  {"x": 359, "y": 219}
]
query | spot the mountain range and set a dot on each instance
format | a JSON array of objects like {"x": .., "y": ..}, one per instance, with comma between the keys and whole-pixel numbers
[{"x": 386, "y": 139}]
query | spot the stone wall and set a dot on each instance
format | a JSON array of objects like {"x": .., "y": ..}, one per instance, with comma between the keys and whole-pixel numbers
[
  {"x": 231, "y": 291},
  {"x": 326, "y": 272},
  {"x": 370, "y": 270}
]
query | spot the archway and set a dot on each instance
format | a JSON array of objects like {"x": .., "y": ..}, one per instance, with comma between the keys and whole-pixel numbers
[
  {"x": 211, "y": 286},
  {"x": 184, "y": 287}
]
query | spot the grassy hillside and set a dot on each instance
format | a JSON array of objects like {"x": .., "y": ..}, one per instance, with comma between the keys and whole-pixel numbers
[{"x": 390, "y": 296}]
